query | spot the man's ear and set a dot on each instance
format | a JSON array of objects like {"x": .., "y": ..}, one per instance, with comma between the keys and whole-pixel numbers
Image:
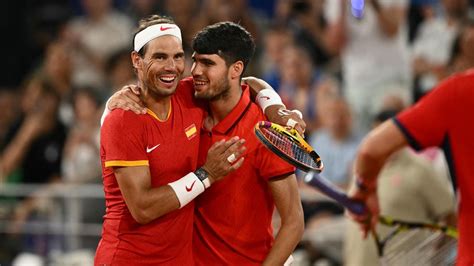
[
  {"x": 236, "y": 70},
  {"x": 136, "y": 60}
]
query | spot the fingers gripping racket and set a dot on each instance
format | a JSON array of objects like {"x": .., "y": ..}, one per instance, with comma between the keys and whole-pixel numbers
[{"x": 288, "y": 145}]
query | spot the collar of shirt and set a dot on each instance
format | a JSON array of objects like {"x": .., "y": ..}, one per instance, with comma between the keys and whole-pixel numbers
[{"x": 234, "y": 116}]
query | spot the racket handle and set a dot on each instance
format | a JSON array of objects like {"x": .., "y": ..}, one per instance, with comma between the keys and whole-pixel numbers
[{"x": 317, "y": 181}]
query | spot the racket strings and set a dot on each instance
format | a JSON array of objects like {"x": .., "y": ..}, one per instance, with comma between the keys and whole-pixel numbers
[
  {"x": 289, "y": 147},
  {"x": 420, "y": 247}
]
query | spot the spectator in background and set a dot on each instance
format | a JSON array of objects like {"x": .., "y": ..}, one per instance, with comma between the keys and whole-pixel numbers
[
  {"x": 336, "y": 142},
  {"x": 34, "y": 156},
  {"x": 36, "y": 140},
  {"x": 81, "y": 164},
  {"x": 463, "y": 54},
  {"x": 433, "y": 43},
  {"x": 276, "y": 39},
  {"x": 409, "y": 189},
  {"x": 57, "y": 69},
  {"x": 299, "y": 83},
  {"x": 81, "y": 161},
  {"x": 308, "y": 25},
  {"x": 94, "y": 37},
  {"x": 119, "y": 71},
  {"x": 374, "y": 51}
]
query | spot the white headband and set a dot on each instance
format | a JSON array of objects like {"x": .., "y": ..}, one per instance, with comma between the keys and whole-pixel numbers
[{"x": 155, "y": 31}]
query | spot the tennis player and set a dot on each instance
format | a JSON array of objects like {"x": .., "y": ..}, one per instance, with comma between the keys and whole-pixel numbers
[
  {"x": 148, "y": 159},
  {"x": 233, "y": 218},
  {"x": 443, "y": 118}
]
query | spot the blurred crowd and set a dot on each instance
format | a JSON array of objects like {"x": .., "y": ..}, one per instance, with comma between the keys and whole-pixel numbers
[{"x": 63, "y": 59}]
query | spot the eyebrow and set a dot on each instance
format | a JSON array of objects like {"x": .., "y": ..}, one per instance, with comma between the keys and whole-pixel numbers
[{"x": 204, "y": 60}]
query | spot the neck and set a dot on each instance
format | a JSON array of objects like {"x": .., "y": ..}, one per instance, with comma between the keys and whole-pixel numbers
[
  {"x": 221, "y": 107},
  {"x": 160, "y": 105}
]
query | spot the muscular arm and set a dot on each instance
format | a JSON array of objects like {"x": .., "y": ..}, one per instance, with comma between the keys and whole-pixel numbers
[
  {"x": 144, "y": 202},
  {"x": 288, "y": 203}
]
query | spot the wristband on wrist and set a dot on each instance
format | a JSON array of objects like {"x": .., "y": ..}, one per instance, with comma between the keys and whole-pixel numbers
[
  {"x": 203, "y": 175},
  {"x": 364, "y": 185},
  {"x": 267, "y": 97},
  {"x": 187, "y": 188}
]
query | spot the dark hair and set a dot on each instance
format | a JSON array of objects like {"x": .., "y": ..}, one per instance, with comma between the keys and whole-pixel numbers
[
  {"x": 147, "y": 22},
  {"x": 226, "y": 39}
]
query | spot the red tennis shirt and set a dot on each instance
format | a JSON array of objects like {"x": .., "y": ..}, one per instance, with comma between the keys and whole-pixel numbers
[{"x": 233, "y": 217}]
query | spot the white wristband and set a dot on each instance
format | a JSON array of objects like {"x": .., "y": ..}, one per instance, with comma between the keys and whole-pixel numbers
[
  {"x": 267, "y": 97},
  {"x": 187, "y": 188},
  {"x": 105, "y": 113}
]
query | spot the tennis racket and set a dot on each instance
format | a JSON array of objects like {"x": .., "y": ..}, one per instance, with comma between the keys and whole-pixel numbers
[
  {"x": 288, "y": 145},
  {"x": 402, "y": 242}
]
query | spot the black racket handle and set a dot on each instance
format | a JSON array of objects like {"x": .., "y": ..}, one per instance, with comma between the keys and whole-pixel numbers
[{"x": 317, "y": 181}]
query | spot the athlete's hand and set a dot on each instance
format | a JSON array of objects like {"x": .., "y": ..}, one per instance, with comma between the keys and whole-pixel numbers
[
  {"x": 367, "y": 221},
  {"x": 224, "y": 157},
  {"x": 127, "y": 99},
  {"x": 291, "y": 119}
]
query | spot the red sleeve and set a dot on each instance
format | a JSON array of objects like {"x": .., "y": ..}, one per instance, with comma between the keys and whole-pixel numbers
[
  {"x": 427, "y": 122},
  {"x": 270, "y": 165},
  {"x": 123, "y": 138}
]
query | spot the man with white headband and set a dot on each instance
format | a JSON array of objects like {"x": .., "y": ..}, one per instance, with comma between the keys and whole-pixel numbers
[{"x": 149, "y": 159}]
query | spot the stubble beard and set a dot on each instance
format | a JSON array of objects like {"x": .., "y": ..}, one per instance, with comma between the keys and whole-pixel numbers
[{"x": 222, "y": 91}]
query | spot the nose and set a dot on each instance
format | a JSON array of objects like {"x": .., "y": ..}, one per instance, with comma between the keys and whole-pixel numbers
[
  {"x": 196, "y": 70},
  {"x": 170, "y": 64}
]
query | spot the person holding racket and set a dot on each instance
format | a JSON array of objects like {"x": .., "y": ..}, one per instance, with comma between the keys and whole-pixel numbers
[
  {"x": 148, "y": 159},
  {"x": 233, "y": 218},
  {"x": 443, "y": 118}
]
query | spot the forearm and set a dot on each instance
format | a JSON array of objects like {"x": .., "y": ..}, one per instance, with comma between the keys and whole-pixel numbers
[
  {"x": 286, "y": 240},
  {"x": 147, "y": 203},
  {"x": 154, "y": 203},
  {"x": 375, "y": 149},
  {"x": 288, "y": 203},
  {"x": 14, "y": 153}
]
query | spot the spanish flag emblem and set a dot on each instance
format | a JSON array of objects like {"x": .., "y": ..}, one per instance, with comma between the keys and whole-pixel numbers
[{"x": 190, "y": 131}]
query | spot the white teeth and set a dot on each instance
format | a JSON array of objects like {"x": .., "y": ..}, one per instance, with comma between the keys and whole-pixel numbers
[{"x": 167, "y": 79}]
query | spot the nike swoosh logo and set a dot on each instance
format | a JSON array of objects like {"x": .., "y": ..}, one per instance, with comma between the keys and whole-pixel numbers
[
  {"x": 265, "y": 97},
  {"x": 165, "y": 28},
  {"x": 148, "y": 150},
  {"x": 191, "y": 187}
]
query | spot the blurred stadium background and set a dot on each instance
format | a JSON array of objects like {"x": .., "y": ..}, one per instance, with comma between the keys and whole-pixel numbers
[{"x": 64, "y": 58}]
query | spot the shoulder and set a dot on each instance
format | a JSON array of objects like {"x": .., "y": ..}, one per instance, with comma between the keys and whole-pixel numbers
[{"x": 123, "y": 119}]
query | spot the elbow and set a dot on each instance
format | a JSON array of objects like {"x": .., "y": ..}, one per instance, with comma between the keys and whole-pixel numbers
[
  {"x": 141, "y": 216},
  {"x": 295, "y": 224}
]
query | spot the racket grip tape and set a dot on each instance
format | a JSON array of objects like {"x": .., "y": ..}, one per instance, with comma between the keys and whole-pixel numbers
[{"x": 330, "y": 190}]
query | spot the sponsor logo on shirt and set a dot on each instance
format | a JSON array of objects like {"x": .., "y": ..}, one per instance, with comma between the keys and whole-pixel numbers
[{"x": 148, "y": 150}]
